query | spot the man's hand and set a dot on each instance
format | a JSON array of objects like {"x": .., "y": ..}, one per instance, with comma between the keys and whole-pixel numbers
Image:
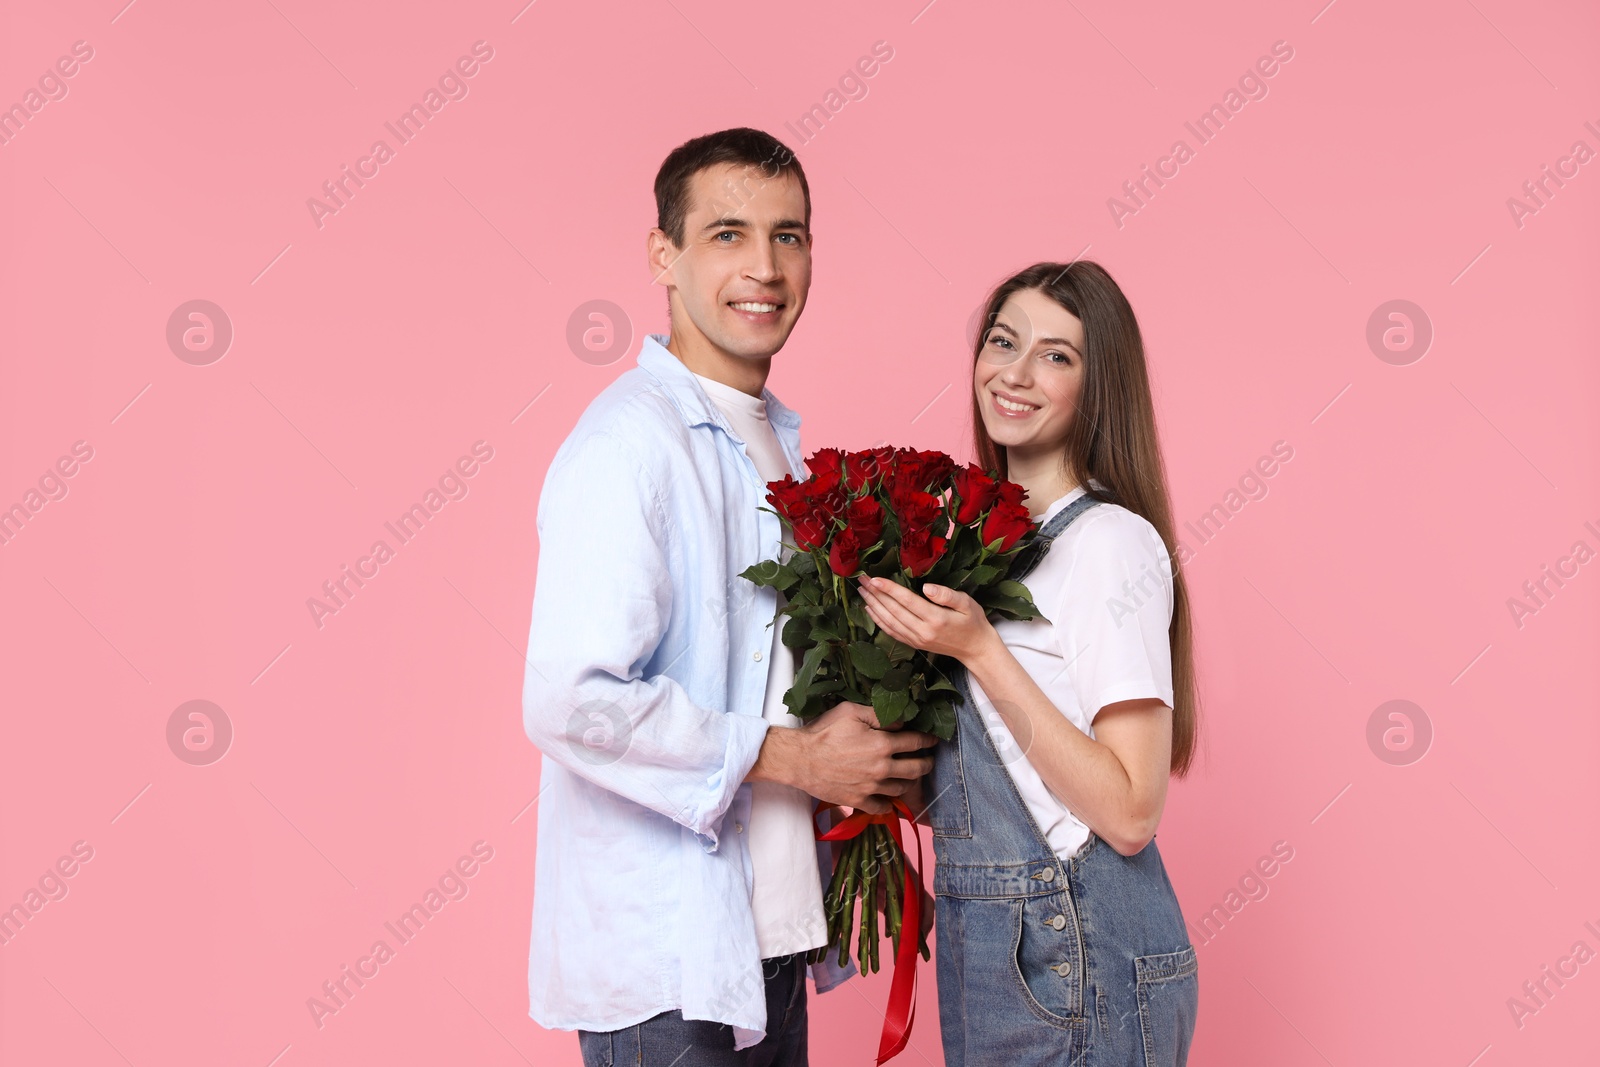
[{"x": 844, "y": 757}]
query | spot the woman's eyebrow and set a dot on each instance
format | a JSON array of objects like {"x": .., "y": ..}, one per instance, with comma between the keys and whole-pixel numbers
[{"x": 1045, "y": 340}]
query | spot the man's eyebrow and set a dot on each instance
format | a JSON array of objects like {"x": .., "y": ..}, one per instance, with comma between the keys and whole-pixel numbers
[
  {"x": 729, "y": 222},
  {"x": 1044, "y": 340}
]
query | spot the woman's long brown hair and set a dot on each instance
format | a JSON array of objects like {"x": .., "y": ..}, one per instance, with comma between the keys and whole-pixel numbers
[{"x": 1112, "y": 440}]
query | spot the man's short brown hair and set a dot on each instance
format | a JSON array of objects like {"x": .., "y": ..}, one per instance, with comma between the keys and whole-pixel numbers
[{"x": 740, "y": 146}]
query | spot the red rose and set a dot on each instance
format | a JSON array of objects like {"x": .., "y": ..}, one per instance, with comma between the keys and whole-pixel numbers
[
  {"x": 825, "y": 493},
  {"x": 825, "y": 459},
  {"x": 866, "y": 469},
  {"x": 976, "y": 492},
  {"x": 919, "y": 551},
  {"x": 810, "y": 532},
  {"x": 1006, "y": 523},
  {"x": 915, "y": 509},
  {"x": 787, "y": 497},
  {"x": 844, "y": 555},
  {"x": 865, "y": 519},
  {"x": 1011, "y": 493},
  {"x": 936, "y": 467}
]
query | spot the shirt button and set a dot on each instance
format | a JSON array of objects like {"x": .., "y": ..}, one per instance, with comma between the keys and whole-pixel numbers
[
  {"x": 738, "y": 827},
  {"x": 758, "y": 657}
]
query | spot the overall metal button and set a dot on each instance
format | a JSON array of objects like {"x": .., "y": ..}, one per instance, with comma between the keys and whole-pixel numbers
[
  {"x": 1048, "y": 874},
  {"x": 1059, "y": 922},
  {"x": 1063, "y": 969}
]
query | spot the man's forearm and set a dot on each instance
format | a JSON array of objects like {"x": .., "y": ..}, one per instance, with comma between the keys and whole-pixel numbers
[{"x": 780, "y": 758}]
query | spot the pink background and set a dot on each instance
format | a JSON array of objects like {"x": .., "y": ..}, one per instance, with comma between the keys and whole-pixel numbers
[{"x": 371, "y": 752}]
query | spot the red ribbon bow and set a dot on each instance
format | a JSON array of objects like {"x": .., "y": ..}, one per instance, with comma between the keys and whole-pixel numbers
[{"x": 902, "y": 986}]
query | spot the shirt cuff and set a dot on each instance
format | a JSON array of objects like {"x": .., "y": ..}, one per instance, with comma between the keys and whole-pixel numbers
[{"x": 746, "y": 734}]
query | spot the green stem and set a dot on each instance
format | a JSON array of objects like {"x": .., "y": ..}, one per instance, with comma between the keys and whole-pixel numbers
[
  {"x": 850, "y": 628},
  {"x": 839, "y": 924},
  {"x": 896, "y": 887}
]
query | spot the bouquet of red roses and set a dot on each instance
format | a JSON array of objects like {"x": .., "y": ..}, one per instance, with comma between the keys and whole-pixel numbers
[{"x": 912, "y": 517}]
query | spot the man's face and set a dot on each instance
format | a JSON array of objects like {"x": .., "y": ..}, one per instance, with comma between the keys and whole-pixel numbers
[{"x": 741, "y": 276}]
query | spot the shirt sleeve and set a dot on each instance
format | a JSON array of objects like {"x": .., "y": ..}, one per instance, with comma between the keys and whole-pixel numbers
[
  {"x": 603, "y": 597},
  {"x": 1115, "y": 612}
]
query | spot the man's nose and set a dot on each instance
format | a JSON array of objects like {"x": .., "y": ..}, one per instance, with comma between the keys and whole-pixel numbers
[{"x": 762, "y": 265}]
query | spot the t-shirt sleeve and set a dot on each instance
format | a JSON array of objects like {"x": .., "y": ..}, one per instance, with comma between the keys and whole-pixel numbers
[{"x": 1115, "y": 611}]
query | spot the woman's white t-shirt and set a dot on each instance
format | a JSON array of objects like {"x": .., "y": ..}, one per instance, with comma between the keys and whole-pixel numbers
[{"x": 1105, "y": 589}]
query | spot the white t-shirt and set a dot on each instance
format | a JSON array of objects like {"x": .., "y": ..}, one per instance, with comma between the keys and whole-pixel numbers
[
  {"x": 1105, "y": 585},
  {"x": 786, "y": 888}
]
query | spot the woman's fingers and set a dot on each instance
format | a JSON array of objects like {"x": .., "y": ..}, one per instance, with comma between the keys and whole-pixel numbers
[
  {"x": 888, "y": 614},
  {"x": 903, "y": 598}
]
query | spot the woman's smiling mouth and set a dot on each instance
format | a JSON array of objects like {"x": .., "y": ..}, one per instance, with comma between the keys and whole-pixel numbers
[{"x": 1013, "y": 408}]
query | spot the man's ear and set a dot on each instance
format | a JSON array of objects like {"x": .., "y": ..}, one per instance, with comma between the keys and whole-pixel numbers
[{"x": 660, "y": 255}]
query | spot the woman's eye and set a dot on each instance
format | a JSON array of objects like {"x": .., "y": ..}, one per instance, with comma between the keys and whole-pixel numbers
[{"x": 1062, "y": 357}]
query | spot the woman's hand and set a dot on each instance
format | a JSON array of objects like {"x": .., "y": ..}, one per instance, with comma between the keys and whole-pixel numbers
[{"x": 944, "y": 621}]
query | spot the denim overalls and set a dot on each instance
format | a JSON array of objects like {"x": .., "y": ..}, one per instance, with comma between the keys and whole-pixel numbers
[{"x": 1042, "y": 960}]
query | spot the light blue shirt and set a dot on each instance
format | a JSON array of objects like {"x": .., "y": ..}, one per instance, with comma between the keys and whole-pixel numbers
[{"x": 646, "y": 672}]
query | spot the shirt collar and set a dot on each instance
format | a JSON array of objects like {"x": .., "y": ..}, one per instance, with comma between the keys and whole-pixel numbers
[{"x": 689, "y": 396}]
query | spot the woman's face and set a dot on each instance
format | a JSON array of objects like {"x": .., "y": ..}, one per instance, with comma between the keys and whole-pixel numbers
[{"x": 1029, "y": 372}]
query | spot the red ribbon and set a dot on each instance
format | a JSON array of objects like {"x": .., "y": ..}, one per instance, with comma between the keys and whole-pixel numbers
[{"x": 903, "y": 985}]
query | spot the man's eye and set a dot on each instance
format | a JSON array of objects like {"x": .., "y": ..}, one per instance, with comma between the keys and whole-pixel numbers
[
  {"x": 726, "y": 233},
  {"x": 789, "y": 237}
]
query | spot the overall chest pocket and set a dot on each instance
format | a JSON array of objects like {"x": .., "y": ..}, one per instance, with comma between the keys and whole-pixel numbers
[{"x": 949, "y": 815}]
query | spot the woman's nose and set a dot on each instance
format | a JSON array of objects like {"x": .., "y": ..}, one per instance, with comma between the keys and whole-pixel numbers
[{"x": 1017, "y": 372}]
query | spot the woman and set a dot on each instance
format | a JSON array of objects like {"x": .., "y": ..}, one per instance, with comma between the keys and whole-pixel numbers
[{"x": 1059, "y": 936}]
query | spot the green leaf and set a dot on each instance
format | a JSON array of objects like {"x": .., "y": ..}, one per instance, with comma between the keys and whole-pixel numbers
[
  {"x": 897, "y": 679},
  {"x": 890, "y": 704},
  {"x": 985, "y": 574},
  {"x": 897, "y": 652},
  {"x": 797, "y": 636},
  {"x": 856, "y": 612},
  {"x": 763, "y": 573},
  {"x": 827, "y": 628},
  {"x": 870, "y": 660},
  {"x": 1012, "y": 608},
  {"x": 944, "y": 721},
  {"x": 808, "y": 668},
  {"x": 942, "y": 684},
  {"x": 1011, "y": 587},
  {"x": 963, "y": 548},
  {"x": 786, "y": 578}
]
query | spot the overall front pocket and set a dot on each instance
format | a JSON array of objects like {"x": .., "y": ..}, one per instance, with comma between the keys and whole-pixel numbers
[
  {"x": 1047, "y": 958},
  {"x": 1169, "y": 998}
]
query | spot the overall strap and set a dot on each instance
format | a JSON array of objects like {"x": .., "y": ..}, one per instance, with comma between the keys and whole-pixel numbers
[{"x": 1030, "y": 557}]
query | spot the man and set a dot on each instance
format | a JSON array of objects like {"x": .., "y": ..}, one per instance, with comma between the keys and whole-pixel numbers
[{"x": 678, "y": 883}]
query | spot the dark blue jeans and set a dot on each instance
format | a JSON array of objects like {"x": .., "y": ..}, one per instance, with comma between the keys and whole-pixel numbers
[{"x": 669, "y": 1040}]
